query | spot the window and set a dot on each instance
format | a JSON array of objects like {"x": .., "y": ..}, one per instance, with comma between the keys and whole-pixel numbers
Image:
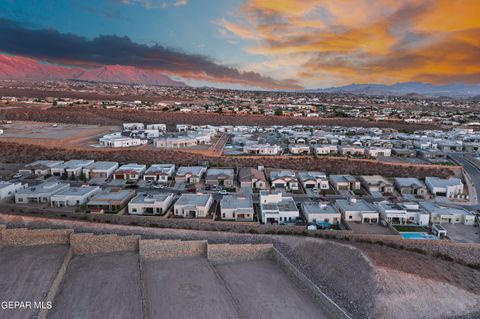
[{"x": 350, "y": 217}]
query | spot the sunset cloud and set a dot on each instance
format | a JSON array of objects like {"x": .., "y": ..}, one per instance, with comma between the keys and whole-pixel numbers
[
  {"x": 363, "y": 41},
  {"x": 70, "y": 49}
]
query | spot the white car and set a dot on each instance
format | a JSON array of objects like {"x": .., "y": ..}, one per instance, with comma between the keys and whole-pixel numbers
[
  {"x": 158, "y": 186},
  {"x": 18, "y": 175},
  {"x": 223, "y": 192}
]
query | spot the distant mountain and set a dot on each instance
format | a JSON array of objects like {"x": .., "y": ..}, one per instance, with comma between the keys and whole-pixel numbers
[
  {"x": 22, "y": 68},
  {"x": 414, "y": 89}
]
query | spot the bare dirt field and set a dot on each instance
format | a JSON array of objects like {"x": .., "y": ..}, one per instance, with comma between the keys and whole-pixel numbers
[
  {"x": 100, "y": 286},
  {"x": 26, "y": 274}
]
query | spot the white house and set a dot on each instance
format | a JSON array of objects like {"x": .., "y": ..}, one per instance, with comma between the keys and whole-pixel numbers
[
  {"x": 378, "y": 151},
  {"x": 403, "y": 213},
  {"x": 158, "y": 127},
  {"x": 316, "y": 180},
  {"x": 39, "y": 193},
  {"x": 130, "y": 172},
  {"x": 100, "y": 170},
  {"x": 285, "y": 179},
  {"x": 351, "y": 150},
  {"x": 72, "y": 168},
  {"x": 150, "y": 204},
  {"x": 193, "y": 205},
  {"x": 325, "y": 149},
  {"x": 262, "y": 149},
  {"x": 9, "y": 189},
  {"x": 74, "y": 196},
  {"x": 236, "y": 208},
  {"x": 275, "y": 208},
  {"x": 451, "y": 215},
  {"x": 316, "y": 212},
  {"x": 117, "y": 140},
  {"x": 133, "y": 126},
  {"x": 298, "y": 149},
  {"x": 449, "y": 187},
  {"x": 190, "y": 174},
  {"x": 357, "y": 210},
  {"x": 160, "y": 173}
]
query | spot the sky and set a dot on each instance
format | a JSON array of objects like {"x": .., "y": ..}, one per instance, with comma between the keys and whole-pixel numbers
[{"x": 267, "y": 44}]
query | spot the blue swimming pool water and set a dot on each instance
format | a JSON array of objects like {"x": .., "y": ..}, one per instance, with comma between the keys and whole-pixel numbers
[{"x": 417, "y": 236}]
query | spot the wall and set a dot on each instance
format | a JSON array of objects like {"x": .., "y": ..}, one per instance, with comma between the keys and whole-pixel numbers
[
  {"x": 158, "y": 249},
  {"x": 26, "y": 237},
  {"x": 225, "y": 253},
  {"x": 93, "y": 244}
]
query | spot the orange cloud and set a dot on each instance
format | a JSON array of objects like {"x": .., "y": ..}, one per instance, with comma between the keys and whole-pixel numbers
[{"x": 364, "y": 40}]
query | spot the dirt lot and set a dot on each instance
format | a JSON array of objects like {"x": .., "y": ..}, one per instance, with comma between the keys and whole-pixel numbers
[
  {"x": 186, "y": 288},
  {"x": 100, "y": 286},
  {"x": 463, "y": 233},
  {"x": 26, "y": 274},
  {"x": 364, "y": 228},
  {"x": 264, "y": 291},
  {"x": 7, "y": 170}
]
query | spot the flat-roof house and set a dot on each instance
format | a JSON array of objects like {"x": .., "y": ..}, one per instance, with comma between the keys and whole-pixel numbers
[
  {"x": 190, "y": 174},
  {"x": 299, "y": 149},
  {"x": 285, "y": 179},
  {"x": 403, "y": 213},
  {"x": 130, "y": 172},
  {"x": 193, "y": 205},
  {"x": 110, "y": 200},
  {"x": 378, "y": 151},
  {"x": 262, "y": 149},
  {"x": 325, "y": 149},
  {"x": 39, "y": 168},
  {"x": 410, "y": 185},
  {"x": 376, "y": 184},
  {"x": 146, "y": 203},
  {"x": 448, "y": 187},
  {"x": 344, "y": 182},
  {"x": 443, "y": 214},
  {"x": 74, "y": 196},
  {"x": 133, "y": 126},
  {"x": 252, "y": 178},
  {"x": 100, "y": 170},
  {"x": 276, "y": 208},
  {"x": 357, "y": 210},
  {"x": 236, "y": 208},
  {"x": 39, "y": 193},
  {"x": 72, "y": 168},
  {"x": 220, "y": 176},
  {"x": 311, "y": 179},
  {"x": 351, "y": 150},
  {"x": 317, "y": 212},
  {"x": 160, "y": 173},
  {"x": 8, "y": 189}
]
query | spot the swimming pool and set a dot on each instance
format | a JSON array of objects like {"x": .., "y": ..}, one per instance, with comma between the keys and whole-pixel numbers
[{"x": 417, "y": 235}]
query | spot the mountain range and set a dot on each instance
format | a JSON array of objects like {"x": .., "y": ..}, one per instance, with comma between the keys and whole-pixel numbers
[
  {"x": 406, "y": 88},
  {"x": 23, "y": 68}
]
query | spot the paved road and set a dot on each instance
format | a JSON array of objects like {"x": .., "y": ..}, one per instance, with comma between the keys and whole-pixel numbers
[{"x": 473, "y": 172}]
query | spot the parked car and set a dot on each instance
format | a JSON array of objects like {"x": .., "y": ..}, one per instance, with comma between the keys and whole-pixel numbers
[
  {"x": 223, "y": 192},
  {"x": 18, "y": 175},
  {"x": 157, "y": 186}
]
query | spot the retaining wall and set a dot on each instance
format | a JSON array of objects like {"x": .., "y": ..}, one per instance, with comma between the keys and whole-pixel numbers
[
  {"x": 93, "y": 244},
  {"x": 226, "y": 253},
  {"x": 33, "y": 237},
  {"x": 157, "y": 249}
]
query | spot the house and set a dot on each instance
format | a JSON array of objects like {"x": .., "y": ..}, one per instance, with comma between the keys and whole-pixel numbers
[
  {"x": 402, "y": 213},
  {"x": 175, "y": 142},
  {"x": 150, "y": 204},
  {"x": 39, "y": 168},
  {"x": 299, "y": 149},
  {"x": 351, "y": 150},
  {"x": 252, "y": 178},
  {"x": 344, "y": 182},
  {"x": 443, "y": 214},
  {"x": 40, "y": 193},
  {"x": 9, "y": 189},
  {"x": 318, "y": 212},
  {"x": 100, "y": 170},
  {"x": 316, "y": 180},
  {"x": 160, "y": 173},
  {"x": 376, "y": 184},
  {"x": 133, "y": 126},
  {"x": 236, "y": 208},
  {"x": 72, "y": 168},
  {"x": 323, "y": 149},
  {"x": 285, "y": 179},
  {"x": 158, "y": 127},
  {"x": 276, "y": 208},
  {"x": 130, "y": 172},
  {"x": 110, "y": 200},
  {"x": 118, "y": 140},
  {"x": 378, "y": 151},
  {"x": 357, "y": 210},
  {"x": 193, "y": 205},
  {"x": 410, "y": 185},
  {"x": 449, "y": 187},
  {"x": 220, "y": 176},
  {"x": 74, "y": 196},
  {"x": 190, "y": 174},
  {"x": 262, "y": 149}
]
